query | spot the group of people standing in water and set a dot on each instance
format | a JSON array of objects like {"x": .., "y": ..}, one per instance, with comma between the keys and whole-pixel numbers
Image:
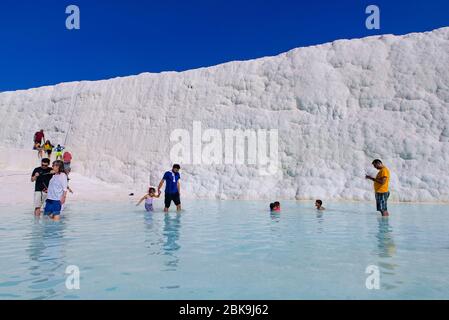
[
  {"x": 51, "y": 182},
  {"x": 172, "y": 190},
  {"x": 51, "y": 185},
  {"x": 381, "y": 190}
]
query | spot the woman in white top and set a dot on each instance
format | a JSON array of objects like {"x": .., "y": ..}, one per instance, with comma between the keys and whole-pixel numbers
[{"x": 57, "y": 191}]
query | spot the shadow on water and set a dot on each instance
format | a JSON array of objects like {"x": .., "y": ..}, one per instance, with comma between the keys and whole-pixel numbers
[
  {"x": 171, "y": 233},
  {"x": 47, "y": 257}
]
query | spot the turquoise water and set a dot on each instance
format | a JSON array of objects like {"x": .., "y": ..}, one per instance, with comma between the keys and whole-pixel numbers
[{"x": 226, "y": 250}]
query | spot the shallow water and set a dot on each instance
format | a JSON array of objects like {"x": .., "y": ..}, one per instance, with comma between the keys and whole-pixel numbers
[{"x": 226, "y": 250}]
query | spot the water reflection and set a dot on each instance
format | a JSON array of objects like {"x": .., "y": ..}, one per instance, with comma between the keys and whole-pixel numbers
[
  {"x": 320, "y": 220},
  {"x": 148, "y": 220},
  {"x": 153, "y": 238},
  {"x": 386, "y": 245},
  {"x": 47, "y": 257},
  {"x": 386, "y": 250},
  {"x": 275, "y": 216},
  {"x": 171, "y": 236}
]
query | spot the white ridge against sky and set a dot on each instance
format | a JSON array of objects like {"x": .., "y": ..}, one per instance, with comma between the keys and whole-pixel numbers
[{"x": 336, "y": 107}]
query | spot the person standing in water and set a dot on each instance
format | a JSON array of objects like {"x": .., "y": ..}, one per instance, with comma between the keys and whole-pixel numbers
[
  {"x": 172, "y": 187},
  {"x": 57, "y": 191},
  {"x": 381, "y": 182},
  {"x": 41, "y": 176}
]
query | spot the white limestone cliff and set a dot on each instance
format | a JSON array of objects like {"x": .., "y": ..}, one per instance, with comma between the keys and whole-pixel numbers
[{"x": 336, "y": 107}]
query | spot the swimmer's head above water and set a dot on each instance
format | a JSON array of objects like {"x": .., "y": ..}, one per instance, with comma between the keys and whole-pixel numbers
[
  {"x": 319, "y": 204},
  {"x": 275, "y": 206}
]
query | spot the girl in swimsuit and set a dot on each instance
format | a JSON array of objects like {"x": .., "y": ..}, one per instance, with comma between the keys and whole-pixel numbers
[{"x": 149, "y": 199}]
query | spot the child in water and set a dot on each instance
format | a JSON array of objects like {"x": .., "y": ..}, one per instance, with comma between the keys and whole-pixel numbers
[
  {"x": 149, "y": 199},
  {"x": 275, "y": 206},
  {"x": 319, "y": 205}
]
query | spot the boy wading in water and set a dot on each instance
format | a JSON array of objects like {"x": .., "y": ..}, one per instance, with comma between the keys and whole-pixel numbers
[
  {"x": 381, "y": 182},
  {"x": 319, "y": 205},
  {"x": 172, "y": 187}
]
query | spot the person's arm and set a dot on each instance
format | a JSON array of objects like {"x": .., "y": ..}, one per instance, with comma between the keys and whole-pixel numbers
[
  {"x": 158, "y": 195},
  {"x": 160, "y": 186},
  {"x": 64, "y": 186},
  {"x": 140, "y": 201},
  {"x": 64, "y": 196},
  {"x": 179, "y": 187},
  {"x": 381, "y": 180},
  {"x": 34, "y": 176}
]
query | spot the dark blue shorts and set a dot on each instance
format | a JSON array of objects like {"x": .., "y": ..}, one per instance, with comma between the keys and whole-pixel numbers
[
  {"x": 381, "y": 201},
  {"x": 52, "y": 207}
]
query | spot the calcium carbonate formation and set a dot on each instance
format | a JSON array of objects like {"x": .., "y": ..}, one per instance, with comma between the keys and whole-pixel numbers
[{"x": 332, "y": 107}]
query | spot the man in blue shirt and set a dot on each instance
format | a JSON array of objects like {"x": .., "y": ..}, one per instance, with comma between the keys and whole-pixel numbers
[{"x": 172, "y": 187}]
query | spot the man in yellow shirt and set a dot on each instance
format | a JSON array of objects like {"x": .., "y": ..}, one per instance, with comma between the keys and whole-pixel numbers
[{"x": 381, "y": 182}]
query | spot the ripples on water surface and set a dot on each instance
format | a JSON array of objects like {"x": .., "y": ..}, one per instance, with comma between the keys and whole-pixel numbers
[{"x": 226, "y": 250}]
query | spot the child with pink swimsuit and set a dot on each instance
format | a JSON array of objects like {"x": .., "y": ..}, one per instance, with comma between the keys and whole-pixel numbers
[{"x": 149, "y": 197}]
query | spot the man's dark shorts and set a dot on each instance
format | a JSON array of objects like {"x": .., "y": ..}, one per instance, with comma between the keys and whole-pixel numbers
[
  {"x": 381, "y": 201},
  {"x": 169, "y": 197}
]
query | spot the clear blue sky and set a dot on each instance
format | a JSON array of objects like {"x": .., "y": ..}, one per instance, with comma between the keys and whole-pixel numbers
[{"x": 119, "y": 38}]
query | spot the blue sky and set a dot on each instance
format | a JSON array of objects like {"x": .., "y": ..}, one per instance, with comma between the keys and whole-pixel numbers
[{"x": 119, "y": 38}]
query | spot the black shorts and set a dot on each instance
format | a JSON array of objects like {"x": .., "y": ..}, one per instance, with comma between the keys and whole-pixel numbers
[{"x": 169, "y": 197}]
